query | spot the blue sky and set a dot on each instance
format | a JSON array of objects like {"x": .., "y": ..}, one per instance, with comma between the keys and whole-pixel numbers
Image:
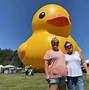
[{"x": 16, "y": 17}]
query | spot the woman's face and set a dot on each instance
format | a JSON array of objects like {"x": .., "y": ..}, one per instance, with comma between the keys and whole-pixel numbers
[
  {"x": 69, "y": 47},
  {"x": 55, "y": 44}
]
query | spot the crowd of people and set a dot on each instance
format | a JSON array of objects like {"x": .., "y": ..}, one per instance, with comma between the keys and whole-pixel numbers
[{"x": 62, "y": 69}]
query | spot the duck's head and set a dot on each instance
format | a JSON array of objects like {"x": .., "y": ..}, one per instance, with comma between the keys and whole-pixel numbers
[{"x": 53, "y": 18}]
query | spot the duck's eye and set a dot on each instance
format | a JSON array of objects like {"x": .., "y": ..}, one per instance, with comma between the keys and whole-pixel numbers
[{"x": 41, "y": 15}]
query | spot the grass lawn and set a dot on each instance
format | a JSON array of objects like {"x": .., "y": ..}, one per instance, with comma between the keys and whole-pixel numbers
[{"x": 22, "y": 82}]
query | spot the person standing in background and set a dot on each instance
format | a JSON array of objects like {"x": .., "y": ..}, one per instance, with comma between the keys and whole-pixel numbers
[
  {"x": 31, "y": 70},
  {"x": 26, "y": 70}
]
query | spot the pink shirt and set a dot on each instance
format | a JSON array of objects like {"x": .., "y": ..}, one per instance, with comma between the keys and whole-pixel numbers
[{"x": 56, "y": 67}]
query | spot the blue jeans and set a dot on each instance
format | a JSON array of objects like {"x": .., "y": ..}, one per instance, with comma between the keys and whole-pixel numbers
[{"x": 75, "y": 83}]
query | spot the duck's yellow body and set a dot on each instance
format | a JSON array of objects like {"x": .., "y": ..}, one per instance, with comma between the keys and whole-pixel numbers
[{"x": 49, "y": 21}]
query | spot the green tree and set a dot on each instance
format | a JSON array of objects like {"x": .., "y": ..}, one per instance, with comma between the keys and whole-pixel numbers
[{"x": 8, "y": 56}]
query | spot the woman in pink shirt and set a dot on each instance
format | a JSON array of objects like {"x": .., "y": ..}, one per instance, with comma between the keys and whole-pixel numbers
[{"x": 55, "y": 67}]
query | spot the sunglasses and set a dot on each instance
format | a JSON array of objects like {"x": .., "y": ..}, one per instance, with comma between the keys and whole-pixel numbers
[
  {"x": 55, "y": 42},
  {"x": 69, "y": 46}
]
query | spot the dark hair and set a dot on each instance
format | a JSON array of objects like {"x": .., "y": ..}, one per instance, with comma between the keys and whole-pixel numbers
[{"x": 66, "y": 43}]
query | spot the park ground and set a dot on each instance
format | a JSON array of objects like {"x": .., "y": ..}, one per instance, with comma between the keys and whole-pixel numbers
[{"x": 23, "y": 82}]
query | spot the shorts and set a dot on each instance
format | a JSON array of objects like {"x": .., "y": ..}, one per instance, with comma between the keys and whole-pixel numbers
[
  {"x": 56, "y": 80},
  {"x": 75, "y": 83}
]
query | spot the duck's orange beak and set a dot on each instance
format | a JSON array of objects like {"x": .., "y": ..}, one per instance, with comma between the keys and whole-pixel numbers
[{"x": 58, "y": 20}]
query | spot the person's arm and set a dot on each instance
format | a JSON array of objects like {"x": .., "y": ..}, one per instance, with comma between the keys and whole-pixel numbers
[
  {"x": 46, "y": 69},
  {"x": 84, "y": 64}
]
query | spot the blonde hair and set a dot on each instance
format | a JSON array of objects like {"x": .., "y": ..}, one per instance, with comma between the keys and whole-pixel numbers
[{"x": 54, "y": 39}]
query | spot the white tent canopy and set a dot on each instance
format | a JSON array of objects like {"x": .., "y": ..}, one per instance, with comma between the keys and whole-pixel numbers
[
  {"x": 1, "y": 66},
  {"x": 9, "y": 66}
]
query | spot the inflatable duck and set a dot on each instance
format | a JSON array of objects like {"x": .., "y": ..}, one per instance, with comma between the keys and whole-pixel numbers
[{"x": 49, "y": 21}]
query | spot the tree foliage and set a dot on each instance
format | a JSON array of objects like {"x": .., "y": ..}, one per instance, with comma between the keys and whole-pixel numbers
[{"x": 8, "y": 56}]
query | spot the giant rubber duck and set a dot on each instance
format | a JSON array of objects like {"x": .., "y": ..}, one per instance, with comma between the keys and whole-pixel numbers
[{"x": 49, "y": 21}]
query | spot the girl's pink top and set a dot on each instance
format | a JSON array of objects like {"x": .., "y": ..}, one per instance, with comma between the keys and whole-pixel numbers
[{"x": 57, "y": 65}]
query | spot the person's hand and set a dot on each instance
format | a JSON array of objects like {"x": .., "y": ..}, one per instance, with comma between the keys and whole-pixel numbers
[{"x": 47, "y": 77}]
